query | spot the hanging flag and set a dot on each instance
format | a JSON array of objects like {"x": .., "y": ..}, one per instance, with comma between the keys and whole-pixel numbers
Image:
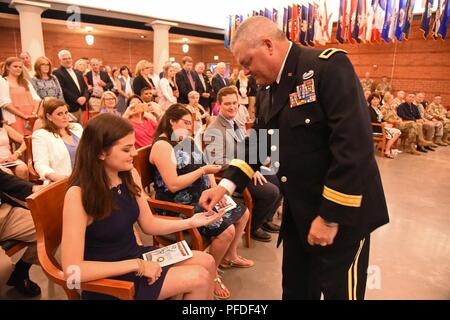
[
  {"x": 426, "y": 18},
  {"x": 267, "y": 14},
  {"x": 394, "y": 17},
  {"x": 227, "y": 37},
  {"x": 380, "y": 15},
  {"x": 261, "y": 13},
  {"x": 340, "y": 22},
  {"x": 387, "y": 21},
  {"x": 319, "y": 24},
  {"x": 443, "y": 29},
  {"x": 303, "y": 24},
  {"x": 310, "y": 31},
  {"x": 437, "y": 20},
  {"x": 285, "y": 17},
  {"x": 401, "y": 20},
  {"x": 409, "y": 19},
  {"x": 327, "y": 26},
  {"x": 353, "y": 9},
  {"x": 370, "y": 20},
  {"x": 275, "y": 15},
  {"x": 255, "y": 13},
  {"x": 362, "y": 21},
  {"x": 289, "y": 23},
  {"x": 295, "y": 30}
]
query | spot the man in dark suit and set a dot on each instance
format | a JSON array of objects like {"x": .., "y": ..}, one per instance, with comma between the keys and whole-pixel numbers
[
  {"x": 205, "y": 87},
  {"x": 187, "y": 80},
  {"x": 219, "y": 81},
  {"x": 320, "y": 143},
  {"x": 73, "y": 86},
  {"x": 17, "y": 224},
  {"x": 99, "y": 82}
]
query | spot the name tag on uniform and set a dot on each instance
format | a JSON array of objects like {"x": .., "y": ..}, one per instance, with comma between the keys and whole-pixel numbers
[{"x": 305, "y": 93}]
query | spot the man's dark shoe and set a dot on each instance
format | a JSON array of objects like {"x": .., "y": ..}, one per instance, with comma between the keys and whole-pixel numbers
[
  {"x": 261, "y": 235},
  {"x": 421, "y": 149},
  {"x": 429, "y": 148},
  {"x": 271, "y": 227},
  {"x": 25, "y": 286}
]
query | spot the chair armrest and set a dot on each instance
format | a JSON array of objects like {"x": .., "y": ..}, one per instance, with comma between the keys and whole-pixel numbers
[
  {"x": 117, "y": 288},
  {"x": 188, "y": 211}
]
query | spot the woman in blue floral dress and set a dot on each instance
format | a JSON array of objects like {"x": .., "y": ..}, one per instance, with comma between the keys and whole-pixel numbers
[{"x": 180, "y": 176}]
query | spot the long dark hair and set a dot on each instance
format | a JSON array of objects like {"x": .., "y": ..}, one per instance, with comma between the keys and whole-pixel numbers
[
  {"x": 100, "y": 135},
  {"x": 175, "y": 112}
]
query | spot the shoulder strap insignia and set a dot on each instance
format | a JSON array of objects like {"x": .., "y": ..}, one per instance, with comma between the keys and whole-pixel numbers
[{"x": 327, "y": 53}]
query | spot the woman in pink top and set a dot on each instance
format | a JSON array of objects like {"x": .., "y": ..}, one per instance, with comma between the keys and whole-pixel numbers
[
  {"x": 24, "y": 99},
  {"x": 144, "y": 128},
  {"x": 7, "y": 134}
]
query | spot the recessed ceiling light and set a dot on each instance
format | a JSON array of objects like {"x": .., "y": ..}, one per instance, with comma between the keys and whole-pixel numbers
[
  {"x": 142, "y": 36},
  {"x": 88, "y": 28},
  {"x": 185, "y": 39}
]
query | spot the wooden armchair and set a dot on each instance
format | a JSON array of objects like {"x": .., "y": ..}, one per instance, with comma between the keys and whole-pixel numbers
[
  {"x": 28, "y": 158},
  {"x": 192, "y": 236},
  {"x": 379, "y": 138},
  {"x": 46, "y": 209}
]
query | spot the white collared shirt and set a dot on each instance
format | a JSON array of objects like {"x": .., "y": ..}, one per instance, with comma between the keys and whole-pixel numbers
[{"x": 74, "y": 77}]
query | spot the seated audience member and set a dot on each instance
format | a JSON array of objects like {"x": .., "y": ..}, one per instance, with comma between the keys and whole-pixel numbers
[
  {"x": 367, "y": 82},
  {"x": 376, "y": 116},
  {"x": 183, "y": 179},
  {"x": 144, "y": 128},
  {"x": 383, "y": 87},
  {"x": 438, "y": 113},
  {"x": 154, "y": 109},
  {"x": 408, "y": 111},
  {"x": 108, "y": 103},
  {"x": 408, "y": 129},
  {"x": 142, "y": 78},
  {"x": 201, "y": 117},
  {"x": 7, "y": 134},
  {"x": 21, "y": 98},
  {"x": 242, "y": 116},
  {"x": 16, "y": 223},
  {"x": 105, "y": 200},
  {"x": 223, "y": 138},
  {"x": 55, "y": 145},
  {"x": 168, "y": 90},
  {"x": 44, "y": 82},
  {"x": 72, "y": 83},
  {"x": 436, "y": 128}
]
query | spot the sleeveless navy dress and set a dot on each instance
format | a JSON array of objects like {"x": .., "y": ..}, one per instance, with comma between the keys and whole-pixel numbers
[{"x": 112, "y": 239}]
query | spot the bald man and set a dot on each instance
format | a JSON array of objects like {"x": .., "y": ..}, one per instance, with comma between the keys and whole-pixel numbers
[{"x": 312, "y": 104}]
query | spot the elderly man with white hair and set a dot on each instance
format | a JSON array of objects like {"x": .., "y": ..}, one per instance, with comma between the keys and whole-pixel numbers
[
  {"x": 219, "y": 81},
  {"x": 72, "y": 84}
]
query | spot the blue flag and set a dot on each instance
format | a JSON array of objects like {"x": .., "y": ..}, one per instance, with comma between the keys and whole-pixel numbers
[
  {"x": 443, "y": 29},
  {"x": 409, "y": 18},
  {"x": 387, "y": 21},
  {"x": 310, "y": 32},
  {"x": 227, "y": 38},
  {"x": 289, "y": 23},
  {"x": 426, "y": 18},
  {"x": 401, "y": 20},
  {"x": 304, "y": 25},
  {"x": 339, "y": 30},
  {"x": 285, "y": 19},
  {"x": 268, "y": 14}
]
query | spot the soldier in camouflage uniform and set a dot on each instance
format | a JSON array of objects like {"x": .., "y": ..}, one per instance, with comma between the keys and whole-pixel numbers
[
  {"x": 383, "y": 87},
  {"x": 435, "y": 128},
  {"x": 399, "y": 99},
  {"x": 438, "y": 112},
  {"x": 367, "y": 83},
  {"x": 408, "y": 128}
]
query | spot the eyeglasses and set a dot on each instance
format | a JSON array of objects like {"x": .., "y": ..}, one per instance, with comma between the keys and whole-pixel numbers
[
  {"x": 110, "y": 99},
  {"x": 187, "y": 122}
]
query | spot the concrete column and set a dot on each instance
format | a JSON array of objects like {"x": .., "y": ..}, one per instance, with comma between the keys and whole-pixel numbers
[
  {"x": 31, "y": 35},
  {"x": 161, "y": 43}
]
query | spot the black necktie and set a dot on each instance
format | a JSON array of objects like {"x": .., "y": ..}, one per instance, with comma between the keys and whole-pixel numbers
[{"x": 273, "y": 92}]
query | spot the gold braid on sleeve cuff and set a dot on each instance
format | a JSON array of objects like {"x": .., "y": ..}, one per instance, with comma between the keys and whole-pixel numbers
[
  {"x": 342, "y": 198},
  {"x": 241, "y": 164}
]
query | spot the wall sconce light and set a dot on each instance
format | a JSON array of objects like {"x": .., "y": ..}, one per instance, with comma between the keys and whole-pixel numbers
[
  {"x": 185, "y": 46},
  {"x": 172, "y": 59},
  {"x": 89, "y": 37},
  {"x": 216, "y": 58}
]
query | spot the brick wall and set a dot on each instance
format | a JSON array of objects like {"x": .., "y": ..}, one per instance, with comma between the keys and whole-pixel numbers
[{"x": 416, "y": 64}]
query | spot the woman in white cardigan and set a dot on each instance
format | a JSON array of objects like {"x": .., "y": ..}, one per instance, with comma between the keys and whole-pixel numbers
[
  {"x": 168, "y": 88},
  {"x": 55, "y": 145}
]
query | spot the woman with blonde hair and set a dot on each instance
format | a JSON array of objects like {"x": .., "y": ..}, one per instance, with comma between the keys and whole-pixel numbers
[
  {"x": 108, "y": 103},
  {"x": 22, "y": 99},
  {"x": 44, "y": 82},
  {"x": 142, "y": 79},
  {"x": 168, "y": 88}
]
